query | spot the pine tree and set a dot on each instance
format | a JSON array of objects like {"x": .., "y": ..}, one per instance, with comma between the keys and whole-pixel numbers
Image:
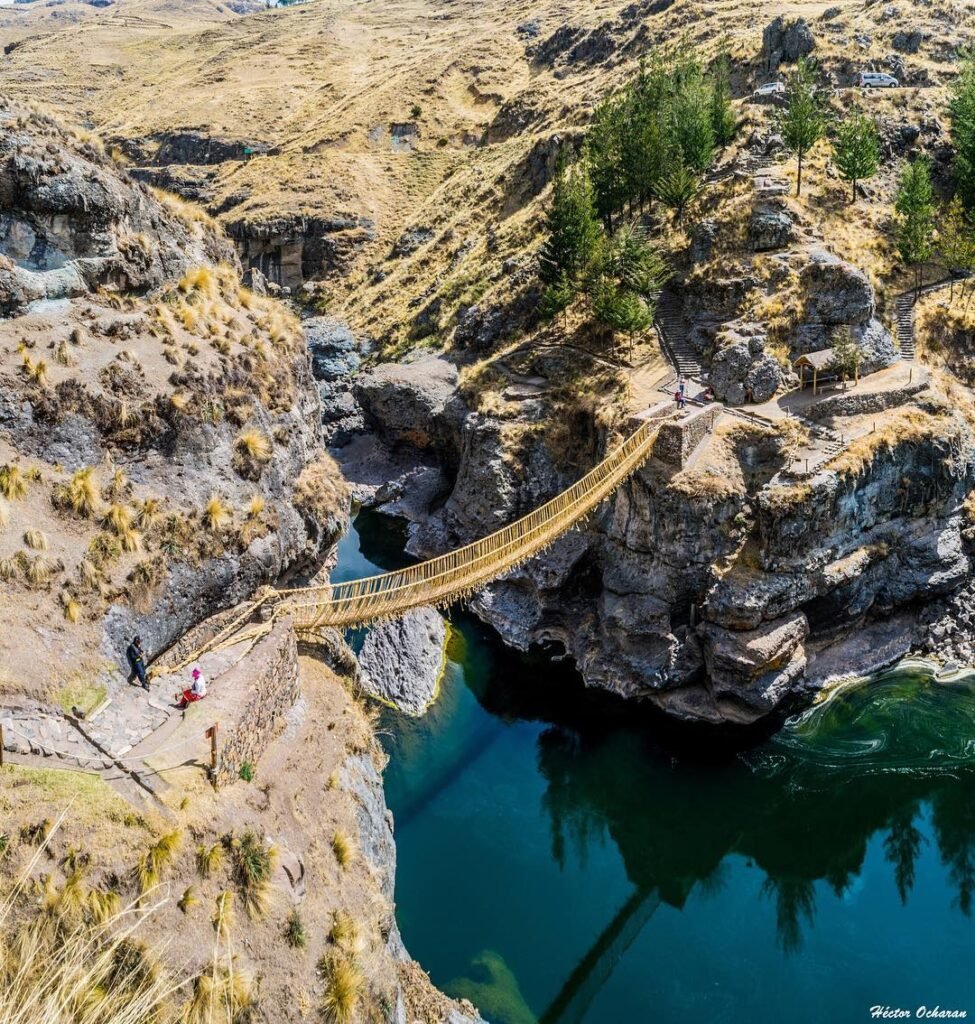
[
  {"x": 956, "y": 241},
  {"x": 915, "y": 206},
  {"x": 689, "y": 121},
  {"x": 636, "y": 265},
  {"x": 573, "y": 231},
  {"x": 723, "y": 120},
  {"x": 625, "y": 276},
  {"x": 677, "y": 188},
  {"x": 802, "y": 122},
  {"x": 557, "y": 297},
  {"x": 845, "y": 361},
  {"x": 962, "y": 110},
  {"x": 856, "y": 150},
  {"x": 604, "y": 151}
]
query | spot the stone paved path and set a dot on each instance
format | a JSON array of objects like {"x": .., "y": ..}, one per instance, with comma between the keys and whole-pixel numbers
[{"x": 130, "y": 718}]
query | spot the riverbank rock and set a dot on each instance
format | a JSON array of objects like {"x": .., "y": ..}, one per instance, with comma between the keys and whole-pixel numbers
[
  {"x": 401, "y": 661},
  {"x": 412, "y": 404},
  {"x": 336, "y": 355}
]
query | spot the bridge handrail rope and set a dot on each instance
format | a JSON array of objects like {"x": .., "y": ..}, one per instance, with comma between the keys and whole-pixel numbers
[{"x": 464, "y": 569}]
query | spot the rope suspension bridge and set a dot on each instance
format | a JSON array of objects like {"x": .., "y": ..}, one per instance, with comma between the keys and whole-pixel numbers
[{"x": 447, "y": 578}]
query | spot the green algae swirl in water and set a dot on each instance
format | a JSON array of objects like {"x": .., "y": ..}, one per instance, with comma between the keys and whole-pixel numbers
[{"x": 902, "y": 721}]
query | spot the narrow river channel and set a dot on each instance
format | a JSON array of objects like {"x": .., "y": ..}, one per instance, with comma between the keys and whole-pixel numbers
[{"x": 565, "y": 858}]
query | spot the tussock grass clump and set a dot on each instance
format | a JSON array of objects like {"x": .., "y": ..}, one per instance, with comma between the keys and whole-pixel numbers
[
  {"x": 252, "y": 452},
  {"x": 208, "y": 859},
  {"x": 216, "y": 515},
  {"x": 103, "y": 549},
  {"x": 9, "y": 569},
  {"x": 13, "y": 483},
  {"x": 223, "y": 914},
  {"x": 255, "y": 507},
  {"x": 188, "y": 900},
  {"x": 294, "y": 931},
  {"x": 148, "y": 513},
  {"x": 154, "y": 861},
  {"x": 343, "y": 983},
  {"x": 222, "y": 994},
  {"x": 38, "y": 571},
  {"x": 81, "y": 493},
  {"x": 199, "y": 280},
  {"x": 36, "y": 539},
  {"x": 103, "y": 905},
  {"x": 89, "y": 574},
  {"x": 63, "y": 355},
  {"x": 125, "y": 416},
  {"x": 344, "y": 932},
  {"x": 118, "y": 518},
  {"x": 72, "y": 608},
  {"x": 342, "y": 848},
  {"x": 253, "y": 864},
  {"x": 36, "y": 373},
  {"x": 254, "y": 444},
  {"x": 118, "y": 485}
]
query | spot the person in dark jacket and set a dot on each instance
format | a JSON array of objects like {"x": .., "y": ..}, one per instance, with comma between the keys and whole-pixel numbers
[{"x": 137, "y": 662}]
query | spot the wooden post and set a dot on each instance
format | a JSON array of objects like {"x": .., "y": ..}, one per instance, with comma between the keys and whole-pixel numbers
[
  {"x": 211, "y": 735},
  {"x": 1, "y": 746},
  {"x": 910, "y": 374}
]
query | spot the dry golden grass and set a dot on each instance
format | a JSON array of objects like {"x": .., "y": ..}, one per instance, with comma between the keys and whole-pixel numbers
[
  {"x": 907, "y": 425},
  {"x": 36, "y": 540},
  {"x": 13, "y": 483},
  {"x": 81, "y": 493},
  {"x": 344, "y": 985},
  {"x": 216, "y": 515}
]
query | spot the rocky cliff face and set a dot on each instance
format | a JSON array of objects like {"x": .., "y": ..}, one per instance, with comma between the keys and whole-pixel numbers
[
  {"x": 712, "y": 591},
  {"x": 160, "y": 422},
  {"x": 70, "y": 222}
]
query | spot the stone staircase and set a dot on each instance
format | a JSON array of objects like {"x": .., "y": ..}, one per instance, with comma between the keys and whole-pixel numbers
[
  {"x": 905, "y": 305},
  {"x": 672, "y": 331},
  {"x": 905, "y": 324}
]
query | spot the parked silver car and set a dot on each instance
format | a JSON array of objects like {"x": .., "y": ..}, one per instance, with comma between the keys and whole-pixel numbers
[
  {"x": 769, "y": 92},
  {"x": 875, "y": 80}
]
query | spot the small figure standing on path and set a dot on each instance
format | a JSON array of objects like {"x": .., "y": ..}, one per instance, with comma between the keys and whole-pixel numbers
[
  {"x": 681, "y": 385},
  {"x": 196, "y": 692},
  {"x": 137, "y": 662}
]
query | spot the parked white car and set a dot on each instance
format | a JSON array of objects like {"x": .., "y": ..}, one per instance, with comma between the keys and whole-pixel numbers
[
  {"x": 875, "y": 80},
  {"x": 769, "y": 91}
]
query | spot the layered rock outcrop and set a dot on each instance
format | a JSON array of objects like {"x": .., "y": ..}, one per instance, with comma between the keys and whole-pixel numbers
[{"x": 70, "y": 222}]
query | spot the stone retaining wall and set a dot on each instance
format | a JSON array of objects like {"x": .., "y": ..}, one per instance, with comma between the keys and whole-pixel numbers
[
  {"x": 249, "y": 699},
  {"x": 678, "y": 439},
  {"x": 855, "y": 403}
]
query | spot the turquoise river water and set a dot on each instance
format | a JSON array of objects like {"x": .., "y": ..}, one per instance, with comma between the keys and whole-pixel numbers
[{"x": 565, "y": 858}]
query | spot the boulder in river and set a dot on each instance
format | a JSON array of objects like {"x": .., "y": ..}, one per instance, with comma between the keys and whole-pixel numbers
[{"x": 401, "y": 661}]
